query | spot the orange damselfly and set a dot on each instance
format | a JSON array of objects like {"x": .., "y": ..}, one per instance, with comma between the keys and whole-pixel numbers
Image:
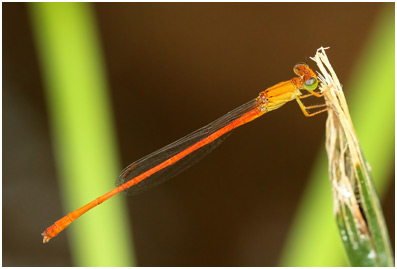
[{"x": 171, "y": 160}]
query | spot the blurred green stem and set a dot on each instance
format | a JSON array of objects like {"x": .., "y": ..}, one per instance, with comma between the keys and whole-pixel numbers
[{"x": 83, "y": 131}]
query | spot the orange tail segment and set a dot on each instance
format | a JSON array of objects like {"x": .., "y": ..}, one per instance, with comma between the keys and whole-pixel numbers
[
  {"x": 64, "y": 222},
  {"x": 56, "y": 228},
  {"x": 61, "y": 224}
]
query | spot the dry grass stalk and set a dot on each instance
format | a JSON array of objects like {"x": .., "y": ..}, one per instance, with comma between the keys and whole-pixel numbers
[{"x": 356, "y": 205}]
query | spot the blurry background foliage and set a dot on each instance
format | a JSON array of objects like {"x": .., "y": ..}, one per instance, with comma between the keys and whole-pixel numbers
[{"x": 89, "y": 88}]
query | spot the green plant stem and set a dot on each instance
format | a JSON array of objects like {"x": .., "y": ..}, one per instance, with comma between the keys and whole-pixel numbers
[{"x": 82, "y": 130}]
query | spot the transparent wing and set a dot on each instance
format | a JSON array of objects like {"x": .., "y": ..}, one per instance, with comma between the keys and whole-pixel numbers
[{"x": 152, "y": 160}]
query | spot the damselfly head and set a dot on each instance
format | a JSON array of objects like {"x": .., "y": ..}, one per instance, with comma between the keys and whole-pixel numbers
[{"x": 301, "y": 68}]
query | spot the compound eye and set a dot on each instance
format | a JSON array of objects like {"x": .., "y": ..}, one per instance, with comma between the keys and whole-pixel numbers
[
  {"x": 299, "y": 67},
  {"x": 311, "y": 84}
]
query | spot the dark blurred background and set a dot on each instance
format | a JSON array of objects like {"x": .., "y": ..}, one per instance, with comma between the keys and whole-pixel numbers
[{"x": 173, "y": 68}]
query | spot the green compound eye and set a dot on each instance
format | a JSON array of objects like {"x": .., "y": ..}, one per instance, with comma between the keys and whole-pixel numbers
[{"x": 311, "y": 84}]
